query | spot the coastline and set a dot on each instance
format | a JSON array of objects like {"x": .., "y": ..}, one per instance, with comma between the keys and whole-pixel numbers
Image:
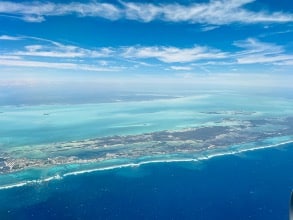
[{"x": 137, "y": 164}]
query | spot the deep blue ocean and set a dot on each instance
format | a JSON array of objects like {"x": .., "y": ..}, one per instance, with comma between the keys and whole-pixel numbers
[{"x": 254, "y": 185}]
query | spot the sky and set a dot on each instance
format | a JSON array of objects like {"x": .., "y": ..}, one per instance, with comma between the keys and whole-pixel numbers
[{"x": 199, "y": 40}]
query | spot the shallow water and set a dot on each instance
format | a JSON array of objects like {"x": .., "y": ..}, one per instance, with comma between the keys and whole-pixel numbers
[
  {"x": 39, "y": 124},
  {"x": 38, "y": 131}
]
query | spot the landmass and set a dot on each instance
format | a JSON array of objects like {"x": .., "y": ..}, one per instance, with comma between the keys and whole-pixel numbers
[{"x": 219, "y": 137}]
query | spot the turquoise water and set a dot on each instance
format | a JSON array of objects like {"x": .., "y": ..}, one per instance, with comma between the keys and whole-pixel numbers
[
  {"x": 30, "y": 131},
  {"x": 24, "y": 125}
]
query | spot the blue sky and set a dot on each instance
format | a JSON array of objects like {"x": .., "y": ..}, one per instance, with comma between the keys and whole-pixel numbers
[{"x": 183, "y": 39}]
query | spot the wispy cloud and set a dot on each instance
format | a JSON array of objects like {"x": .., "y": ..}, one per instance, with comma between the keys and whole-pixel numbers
[
  {"x": 181, "y": 68},
  {"x": 259, "y": 58},
  {"x": 252, "y": 45},
  {"x": 7, "y": 37},
  {"x": 209, "y": 28},
  {"x": 215, "y": 12},
  {"x": 9, "y": 57},
  {"x": 37, "y": 11},
  {"x": 55, "y": 65},
  {"x": 42, "y": 48},
  {"x": 173, "y": 54},
  {"x": 286, "y": 62},
  {"x": 62, "y": 51},
  {"x": 44, "y": 53},
  {"x": 49, "y": 48},
  {"x": 51, "y": 54},
  {"x": 257, "y": 52}
]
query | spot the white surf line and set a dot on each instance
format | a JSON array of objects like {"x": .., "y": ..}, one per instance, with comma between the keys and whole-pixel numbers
[
  {"x": 13, "y": 185},
  {"x": 31, "y": 182},
  {"x": 177, "y": 160},
  {"x": 200, "y": 158}
]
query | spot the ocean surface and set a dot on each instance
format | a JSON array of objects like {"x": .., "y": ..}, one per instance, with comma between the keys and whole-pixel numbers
[
  {"x": 252, "y": 185},
  {"x": 245, "y": 173}
]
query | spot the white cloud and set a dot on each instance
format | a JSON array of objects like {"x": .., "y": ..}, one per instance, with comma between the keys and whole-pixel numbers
[
  {"x": 10, "y": 57},
  {"x": 252, "y": 46},
  {"x": 58, "y": 50},
  {"x": 50, "y": 54},
  {"x": 55, "y": 65},
  {"x": 142, "y": 12},
  {"x": 54, "y": 55},
  {"x": 215, "y": 12},
  {"x": 181, "y": 68},
  {"x": 209, "y": 28},
  {"x": 36, "y": 11},
  {"x": 33, "y": 18},
  {"x": 173, "y": 54},
  {"x": 286, "y": 63},
  {"x": 6, "y": 37},
  {"x": 256, "y": 52},
  {"x": 265, "y": 59}
]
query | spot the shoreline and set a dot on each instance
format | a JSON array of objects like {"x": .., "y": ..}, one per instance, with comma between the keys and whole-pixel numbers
[{"x": 133, "y": 164}]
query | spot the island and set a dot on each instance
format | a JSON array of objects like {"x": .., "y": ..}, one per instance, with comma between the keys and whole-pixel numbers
[{"x": 228, "y": 135}]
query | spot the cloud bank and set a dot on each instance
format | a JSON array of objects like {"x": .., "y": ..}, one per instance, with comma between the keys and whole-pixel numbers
[{"x": 44, "y": 53}]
